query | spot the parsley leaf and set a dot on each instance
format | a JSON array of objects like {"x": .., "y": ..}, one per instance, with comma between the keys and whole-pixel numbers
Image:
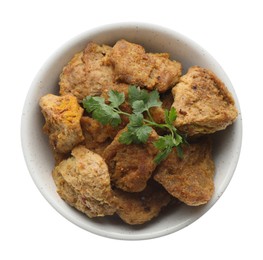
[
  {"x": 143, "y": 133},
  {"x": 136, "y": 120},
  {"x": 170, "y": 116},
  {"x": 116, "y": 98},
  {"x": 138, "y": 106},
  {"x": 177, "y": 140},
  {"x": 163, "y": 142},
  {"x": 142, "y": 100},
  {"x": 135, "y": 93},
  {"x": 179, "y": 151},
  {"x": 106, "y": 115},
  {"x": 136, "y": 135},
  {"x": 162, "y": 155},
  {"x": 137, "y": 131},
  {"x": 126, "y": 138},
  {"x": 92, "y": 103},
  {"x": 165, "y": 145},
  {"x": 100, "y": 111},
  {"x": 140, "y": 131},
  {"x": 153, "y": 99}
]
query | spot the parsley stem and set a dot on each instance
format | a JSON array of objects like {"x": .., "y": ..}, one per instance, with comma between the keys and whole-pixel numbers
[
  {"x": 152, "y": 123},
  {"x": 150, "y": 116},
  {"x": 171, "y": 130},
  {"x": 121, "y": 112},
  {"x": 162, "y": 126}
]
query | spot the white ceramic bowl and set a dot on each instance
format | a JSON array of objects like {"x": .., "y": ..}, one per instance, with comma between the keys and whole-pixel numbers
[{"x": 38, "y": 156}]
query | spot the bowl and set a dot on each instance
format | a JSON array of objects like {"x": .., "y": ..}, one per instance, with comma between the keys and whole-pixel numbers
[{"x": 38, "y": 155}]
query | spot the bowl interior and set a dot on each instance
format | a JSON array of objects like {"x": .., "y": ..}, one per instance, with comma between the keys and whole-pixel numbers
[{"x": 38, "y": 154}]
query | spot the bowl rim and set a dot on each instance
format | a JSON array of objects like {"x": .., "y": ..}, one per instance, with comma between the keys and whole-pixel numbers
[{"x": 61, "y": 49}]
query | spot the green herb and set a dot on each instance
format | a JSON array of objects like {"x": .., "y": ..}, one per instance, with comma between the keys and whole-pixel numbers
[
  {"x": 142, "y": 100},
  {"x": 137, "y": 131},
  {"x": 138, "y": 128},
  {"x": 105, "y": 114}
]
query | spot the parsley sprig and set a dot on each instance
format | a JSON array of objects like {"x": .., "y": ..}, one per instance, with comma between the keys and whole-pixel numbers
[{"x": 139, "y": 128}]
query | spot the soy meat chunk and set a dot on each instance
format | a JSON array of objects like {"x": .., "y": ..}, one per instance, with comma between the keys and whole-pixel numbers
[
  {"x": 91, "y": 175},
  {"x": 87, "y": 205},
  {"x": 203, "y": 103},
  {"x": 83, "y": 181},
  {"x": 97, "y": 136},
  {"x": 131, "y": 166},
  {"x": 140, "y": 207},
  {"x": 62, "y": 115},
  {"x": 87, "y": 73},
  {"x": 189, "y": 179},
  {"x": 133, "y": 65}
]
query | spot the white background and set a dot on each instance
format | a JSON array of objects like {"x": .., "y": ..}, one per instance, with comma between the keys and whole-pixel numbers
[{"x": 32, "y": 30}]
